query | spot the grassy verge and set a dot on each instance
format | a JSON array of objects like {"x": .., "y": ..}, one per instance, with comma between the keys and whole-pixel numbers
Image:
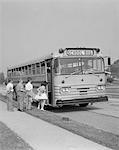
[{"x": 11, "y": 141}]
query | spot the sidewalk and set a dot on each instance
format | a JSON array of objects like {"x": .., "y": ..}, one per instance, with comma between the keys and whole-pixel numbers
[{"x": 43, "y": 136}]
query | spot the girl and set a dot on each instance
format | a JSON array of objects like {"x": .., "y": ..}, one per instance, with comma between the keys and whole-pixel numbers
[{"x": 41, "y": 96}]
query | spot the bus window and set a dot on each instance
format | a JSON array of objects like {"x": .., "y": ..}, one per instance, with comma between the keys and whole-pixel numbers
[
  {"x": 98, "y": 64},
  {"x": 48, "y": 66},
  {"x": 86, "y": 63},
  {"x": 92, "y": 64},
  {"x": 33, "y": 69},
  {"x": 23, "y": 70},
  {"x": 26, "y": 70},
  {"x": 70, "y": 65},
  {"x": 13, "y": 72},
  {"x": 43, "y": 68},
  {"x": 37, "y": 68},
  {"x": 29, "y": 68},
  {"x": 56, "y": 66},
  {"x": 9, "y": 73}
]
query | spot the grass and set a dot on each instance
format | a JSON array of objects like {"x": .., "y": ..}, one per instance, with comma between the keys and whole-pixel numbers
[{"x": 10, "y": 140}]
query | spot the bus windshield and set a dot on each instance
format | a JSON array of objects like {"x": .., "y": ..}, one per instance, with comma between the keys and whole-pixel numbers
[{"x": 67, "y": 66}]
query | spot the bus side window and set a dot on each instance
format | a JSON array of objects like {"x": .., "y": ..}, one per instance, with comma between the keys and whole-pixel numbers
[
  {"x": 42, "y": 67},
  {"x": 37, "y": 68},
  {"x": 26, "y": 70},
  {"x": 56, "y": 66},
  {"x": 33, "y": 69},
  {"x": 29, "y": 68},
  {"x": 48, "y": 66}
]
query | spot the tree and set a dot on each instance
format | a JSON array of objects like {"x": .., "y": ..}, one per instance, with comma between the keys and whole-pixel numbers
[
  {"x": 2, "y": 78},
  {"x": 115, "y": 69}
]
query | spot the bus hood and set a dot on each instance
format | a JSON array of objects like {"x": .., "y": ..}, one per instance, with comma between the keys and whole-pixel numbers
[{"x": 87, "y": 79}]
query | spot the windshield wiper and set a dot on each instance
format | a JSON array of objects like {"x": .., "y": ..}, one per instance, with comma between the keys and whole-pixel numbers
[
  {"x": 77, "y": 71},
  {"x": 90, "y": 71}
]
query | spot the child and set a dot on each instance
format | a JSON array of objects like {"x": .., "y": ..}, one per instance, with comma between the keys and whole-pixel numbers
[
  {"x": 9, "y": 89},
  {"x": 29, "y": 93},
  {"x": 41, "y": 96}
]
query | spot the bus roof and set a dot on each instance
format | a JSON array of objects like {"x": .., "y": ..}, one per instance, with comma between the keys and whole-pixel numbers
[{"x": 37, "y": 60}]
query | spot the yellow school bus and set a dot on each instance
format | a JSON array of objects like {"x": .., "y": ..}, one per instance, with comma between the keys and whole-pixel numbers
[{"x": 75, "y": 76}]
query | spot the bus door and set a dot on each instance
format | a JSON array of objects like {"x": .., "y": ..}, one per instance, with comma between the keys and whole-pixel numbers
[{"x": 49, "y": 80}]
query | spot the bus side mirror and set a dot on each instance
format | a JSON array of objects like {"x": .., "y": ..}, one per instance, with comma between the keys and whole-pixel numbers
[{"x": 109, "y": 61}]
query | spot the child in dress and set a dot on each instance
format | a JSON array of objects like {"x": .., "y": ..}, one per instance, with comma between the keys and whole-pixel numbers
[{"x": 41, "y": 96}]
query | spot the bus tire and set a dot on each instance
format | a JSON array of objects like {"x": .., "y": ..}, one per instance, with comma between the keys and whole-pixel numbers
[{"x": 83, "y": 105}]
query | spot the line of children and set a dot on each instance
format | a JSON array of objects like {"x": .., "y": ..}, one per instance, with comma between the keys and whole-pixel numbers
[{"x": 26, "y": 95}]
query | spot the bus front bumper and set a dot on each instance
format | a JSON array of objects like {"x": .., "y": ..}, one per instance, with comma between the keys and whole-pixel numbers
[{"x": 81, "y": 101}]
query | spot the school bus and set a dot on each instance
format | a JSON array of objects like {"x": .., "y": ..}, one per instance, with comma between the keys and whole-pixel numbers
[{"x": 75, "y": 76}]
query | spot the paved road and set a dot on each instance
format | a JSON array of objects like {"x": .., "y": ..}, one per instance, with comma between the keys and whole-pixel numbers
[{"x": 104, "y": 116}]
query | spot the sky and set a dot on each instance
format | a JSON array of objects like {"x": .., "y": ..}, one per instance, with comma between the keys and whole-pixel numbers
[{"x": 33, "y": 28}]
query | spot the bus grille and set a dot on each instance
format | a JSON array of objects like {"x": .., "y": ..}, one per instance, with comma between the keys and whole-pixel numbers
[{"x": 75, "y": 92}]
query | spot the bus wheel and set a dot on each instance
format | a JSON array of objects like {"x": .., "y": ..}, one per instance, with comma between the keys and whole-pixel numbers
[{"x": 83, "y": 105}]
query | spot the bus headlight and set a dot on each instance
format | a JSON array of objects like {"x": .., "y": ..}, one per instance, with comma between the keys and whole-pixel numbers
[
  {"x": 101, "y": 87},
  {"x": 65, "y": 89}
]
